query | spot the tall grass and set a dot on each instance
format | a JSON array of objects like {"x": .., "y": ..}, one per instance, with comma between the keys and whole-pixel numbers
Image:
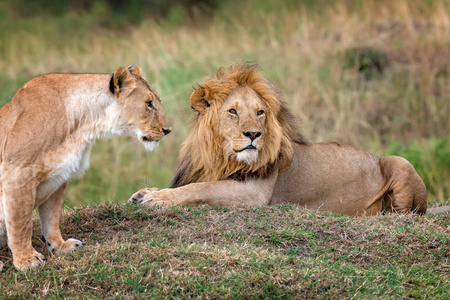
[{"x": 301, "y": 45}]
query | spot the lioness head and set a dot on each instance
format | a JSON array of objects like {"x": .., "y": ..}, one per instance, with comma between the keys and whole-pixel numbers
[
  {"x": 242, "y": 128},
  {"x": 141, "y": 107}
]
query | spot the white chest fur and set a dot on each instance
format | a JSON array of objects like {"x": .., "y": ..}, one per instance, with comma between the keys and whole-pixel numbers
[
  {"x": 64, "y": 165},
  {"x": 97, "y": 115}
]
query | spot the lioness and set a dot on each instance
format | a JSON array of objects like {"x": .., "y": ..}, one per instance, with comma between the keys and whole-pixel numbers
[
  {"x": 244, "y": 150},
  {"x": 46, "y": 134}
]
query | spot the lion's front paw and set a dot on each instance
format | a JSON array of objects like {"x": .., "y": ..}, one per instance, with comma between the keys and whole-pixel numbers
[
  {"x": 33, "y": 261},
  {"x": 142, "y": 196},
  {"x": 1, "y": 266},
  {"x": 153, "y": 197}
]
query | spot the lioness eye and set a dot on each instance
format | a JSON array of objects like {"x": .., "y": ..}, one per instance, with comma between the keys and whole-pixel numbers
[
  {"x": 260, "y": 112},
  {"x": 149, "y": 104},
  {"x": 232, "y": 111}
]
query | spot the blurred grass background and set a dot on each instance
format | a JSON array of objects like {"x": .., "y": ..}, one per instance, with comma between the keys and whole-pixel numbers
[{"x": 374, "y": 74}]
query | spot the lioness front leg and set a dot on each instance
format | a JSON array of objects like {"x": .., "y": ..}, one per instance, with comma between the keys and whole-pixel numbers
[
  {"x": 251, "y": 192},
  {"x": 50, "y": 215},
  {"x": 18, "y": 208},
  {"x": 3, "y": 235}
]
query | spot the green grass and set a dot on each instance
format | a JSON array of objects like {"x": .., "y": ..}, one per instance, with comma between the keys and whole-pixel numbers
[{"x": 261, "y": 253}]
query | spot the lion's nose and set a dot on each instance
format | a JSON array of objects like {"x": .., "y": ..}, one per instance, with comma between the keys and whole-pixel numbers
[
  {"x": 252, "y": 134},
  {"x": 166, "y": 131}
]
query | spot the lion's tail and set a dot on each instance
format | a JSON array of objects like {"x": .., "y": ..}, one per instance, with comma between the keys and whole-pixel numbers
[
  {"x": 406, "y": 191},
  {"x": 440, "y": 210}
]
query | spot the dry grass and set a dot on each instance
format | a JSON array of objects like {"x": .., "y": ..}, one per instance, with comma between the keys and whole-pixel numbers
[
  {"x": 301, "y": 47},
  {"x": 270, "y": 252}
]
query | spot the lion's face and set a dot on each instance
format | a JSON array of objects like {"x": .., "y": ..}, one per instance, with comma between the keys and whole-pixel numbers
[
  {"x": 242, "y": 120},
  {"x": 241, "y": 129},
  {"x": 141, "y": 107}
]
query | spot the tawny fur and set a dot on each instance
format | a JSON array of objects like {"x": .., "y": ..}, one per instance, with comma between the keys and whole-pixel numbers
[
  {"x": 46, "y": 134},
  {"x": 239, "y": 103},
  {"x": 196, "y": 164}
]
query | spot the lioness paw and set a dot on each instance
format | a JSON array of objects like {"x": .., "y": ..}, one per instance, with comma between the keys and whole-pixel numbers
[
  {"x": 1, "y": 266},
  {"x": 71, "y": 245},
  {"x": 34, "y": 261}
]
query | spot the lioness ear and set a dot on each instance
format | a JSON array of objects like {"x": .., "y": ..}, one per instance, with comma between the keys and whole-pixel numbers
[
  {"x": 135, "y": 70},
  {"x": 123, "y": 82},
  {"x": 198, "y": 101}
]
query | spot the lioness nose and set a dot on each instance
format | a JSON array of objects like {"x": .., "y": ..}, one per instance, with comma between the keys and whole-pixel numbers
[
  {"x": 252, "y": 134},
  {"x": 166, "y": 131}
]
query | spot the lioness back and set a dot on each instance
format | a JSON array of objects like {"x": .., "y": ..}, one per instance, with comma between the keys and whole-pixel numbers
[{"x": 40, "y": 113}]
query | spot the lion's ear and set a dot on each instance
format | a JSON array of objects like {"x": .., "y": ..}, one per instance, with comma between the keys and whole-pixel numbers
[
  {"x": 122, "y": 82},
  {"x": 135, "y": 70},
  {"x": 198, "y": 101}
]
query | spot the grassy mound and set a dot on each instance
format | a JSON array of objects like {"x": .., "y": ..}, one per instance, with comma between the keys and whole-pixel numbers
[{"x": 216, "y": 252}]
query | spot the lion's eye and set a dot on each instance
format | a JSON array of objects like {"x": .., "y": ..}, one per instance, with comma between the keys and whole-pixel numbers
[
  {"x": 260, "y": 112},
  {"x": 232, "y": 111},
  {"x": 149, "y": 104}
]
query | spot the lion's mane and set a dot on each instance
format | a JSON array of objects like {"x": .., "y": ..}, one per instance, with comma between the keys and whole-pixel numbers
[{"x": 201, "y": 157}]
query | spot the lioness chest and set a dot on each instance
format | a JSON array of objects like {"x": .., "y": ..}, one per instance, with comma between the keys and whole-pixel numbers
[{"x": 68, "y": 160}]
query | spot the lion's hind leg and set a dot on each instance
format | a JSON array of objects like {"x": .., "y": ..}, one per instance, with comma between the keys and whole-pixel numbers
[{"x": 407, "y": 191}]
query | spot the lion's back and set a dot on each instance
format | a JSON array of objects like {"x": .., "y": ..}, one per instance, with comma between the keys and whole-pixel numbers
[{"x": 330, "y": 176}]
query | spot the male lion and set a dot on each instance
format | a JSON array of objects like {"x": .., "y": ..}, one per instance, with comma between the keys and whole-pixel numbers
[
  {"x": 245, "y": 150},
  {"x": 46, "y": 134}
]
